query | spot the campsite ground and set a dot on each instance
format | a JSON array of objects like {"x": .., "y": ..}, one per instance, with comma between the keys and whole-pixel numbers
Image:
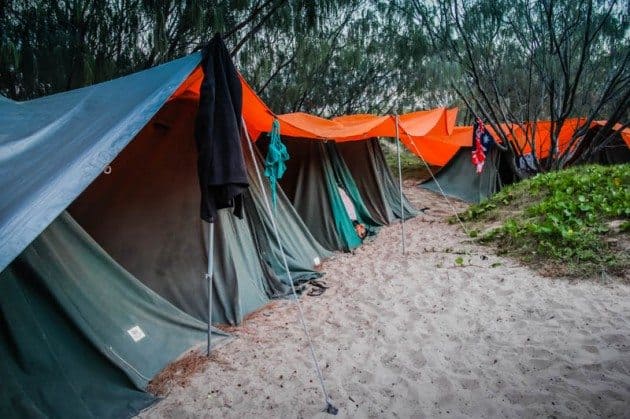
[{"x": 426, "y": 334}]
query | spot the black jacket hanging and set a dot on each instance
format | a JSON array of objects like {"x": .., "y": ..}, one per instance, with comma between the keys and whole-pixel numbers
[{"x": 220, "y": 164}]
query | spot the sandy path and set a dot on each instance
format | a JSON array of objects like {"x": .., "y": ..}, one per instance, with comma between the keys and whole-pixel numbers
[{"x": 417, "y": 336}]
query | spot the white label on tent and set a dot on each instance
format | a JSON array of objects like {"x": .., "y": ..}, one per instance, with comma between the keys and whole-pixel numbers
[
  {"x": 136, "y": 333},
  {"x": 317, "y": 261}
]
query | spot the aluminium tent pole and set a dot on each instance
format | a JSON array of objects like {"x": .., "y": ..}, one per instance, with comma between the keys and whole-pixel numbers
[
  {"x": 209, "y": 277},
  {"x": 402, "y": 210},
  {"x": 330, "y": 408}
]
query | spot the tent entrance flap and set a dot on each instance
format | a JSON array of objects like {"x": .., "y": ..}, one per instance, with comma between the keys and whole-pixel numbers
[
  {"x": 346, "y": 181},
  {"x": 380, "y": 191}
]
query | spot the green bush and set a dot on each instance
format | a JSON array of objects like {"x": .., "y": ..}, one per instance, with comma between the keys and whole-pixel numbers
[{"x": 563, "y": 216}]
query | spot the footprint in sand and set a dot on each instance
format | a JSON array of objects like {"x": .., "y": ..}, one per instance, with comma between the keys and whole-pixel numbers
[
  {"x": 590, "y": 348},
  {"x": 469, "y": 383}
]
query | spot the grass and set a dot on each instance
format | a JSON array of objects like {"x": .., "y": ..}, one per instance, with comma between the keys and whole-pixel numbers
[{"x": 573, "y": 223}]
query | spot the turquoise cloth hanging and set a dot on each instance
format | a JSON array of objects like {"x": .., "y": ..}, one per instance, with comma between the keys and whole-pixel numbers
[{"x": 277, "y": 155}]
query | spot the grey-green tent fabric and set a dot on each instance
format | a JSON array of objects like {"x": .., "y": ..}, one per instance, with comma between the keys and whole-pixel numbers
[
  {"x": 52, "y": 148},
  {"x": 80, "y": 335},
  {"x": 310, "y": 185},
  {"x": 346, "y": 182},
  {"x": 49, "y": 369},
  {"x": 145, "y": 214},
  {"x": 378, "y": 187},
  {"x": 459, "y": 179},
  {"x": 302, "y": 251},
  {"x": 361, "y": 161}
]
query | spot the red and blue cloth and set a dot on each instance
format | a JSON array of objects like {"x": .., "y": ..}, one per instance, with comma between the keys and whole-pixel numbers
[{"x": 482, "y": 143}]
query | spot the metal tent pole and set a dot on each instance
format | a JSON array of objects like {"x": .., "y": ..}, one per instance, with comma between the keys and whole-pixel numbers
[
  {"x": 209, "y": 277},
  {"x": 402, "y": 208}
]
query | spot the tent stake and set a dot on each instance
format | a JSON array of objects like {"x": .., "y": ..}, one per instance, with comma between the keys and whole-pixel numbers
[
  {"x": 400, "y": 180},
  {"x": 330, "y": 408},
  {"x": 209, "y": 277}
]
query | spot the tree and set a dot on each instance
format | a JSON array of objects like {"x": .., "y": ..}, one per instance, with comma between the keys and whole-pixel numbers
[
  {"x": 527, "y": 60},
  {"x": 319, "y": 56},
  {"x": 52, "y": 46},
  {"x": 362, "y": 59}
]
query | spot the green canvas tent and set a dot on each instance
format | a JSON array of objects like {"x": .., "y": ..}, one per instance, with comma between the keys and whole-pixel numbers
[
  {"x": 459, "y": 179},
  {"x": 144, "y": 213},
  {"x": 80, "y": 336},
  {"x": 311, "y": 182},
  {"x": 69, "y": 310},
  {"x": 378, "y": 187}
]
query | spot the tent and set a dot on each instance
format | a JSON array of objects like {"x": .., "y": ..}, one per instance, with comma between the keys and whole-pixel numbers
[
  {"x": 459, "y": 178},
  {"x": 311, "y": 185},
  {"x": 315, "y": 172},
  {"x": 158, "y": 167},
  {"x": 80, "y": 336},
  {"x": 379, "y": 189}
]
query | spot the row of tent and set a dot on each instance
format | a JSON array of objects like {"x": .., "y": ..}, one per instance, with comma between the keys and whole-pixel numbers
[
  {"x": 103, "y": 253},
  {"x": 458, "y": 178}
]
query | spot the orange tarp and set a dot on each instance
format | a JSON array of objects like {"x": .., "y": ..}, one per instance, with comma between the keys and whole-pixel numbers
[
  {"x": 259, "y": 119},
  {"x": 348, "y": 128},
  {"x": 431, "y": 134},
  {"x": 539, "y": 134},
  {"x": 369, "y": 125}
]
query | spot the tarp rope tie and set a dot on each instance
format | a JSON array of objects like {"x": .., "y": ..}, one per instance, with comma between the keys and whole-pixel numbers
[
  {"x": 275, "y": 165},
  {"x": 330, "y": 408}
]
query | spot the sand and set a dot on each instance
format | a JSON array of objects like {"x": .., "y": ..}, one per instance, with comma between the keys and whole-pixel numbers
[{"x": 418, "y": 336}]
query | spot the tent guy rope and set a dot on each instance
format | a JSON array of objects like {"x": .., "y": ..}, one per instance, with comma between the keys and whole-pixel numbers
[
  {"x": 419, "y": 154},
  {"x": 400, "y": 181},
  {"x": 330, "y": 408}
]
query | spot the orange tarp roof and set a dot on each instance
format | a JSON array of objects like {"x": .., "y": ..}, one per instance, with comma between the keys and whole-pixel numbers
[
  {"x": 259, "y": 119},
  {"x": 360, "y": 127},
  {"x": 428, "y": 134},
  {"x": 431, "y": 134},
  {"x": 539, "y": 133},
  {"x": 369, "y": 125},
  {"x": 348, "y": 128}
]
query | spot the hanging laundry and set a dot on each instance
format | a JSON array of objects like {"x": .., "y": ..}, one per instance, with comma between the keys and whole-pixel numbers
[
  {"x": 220, "y": 165},
  {"x": 482, "y": 143},
  {"x": 275, "y": 161}
]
